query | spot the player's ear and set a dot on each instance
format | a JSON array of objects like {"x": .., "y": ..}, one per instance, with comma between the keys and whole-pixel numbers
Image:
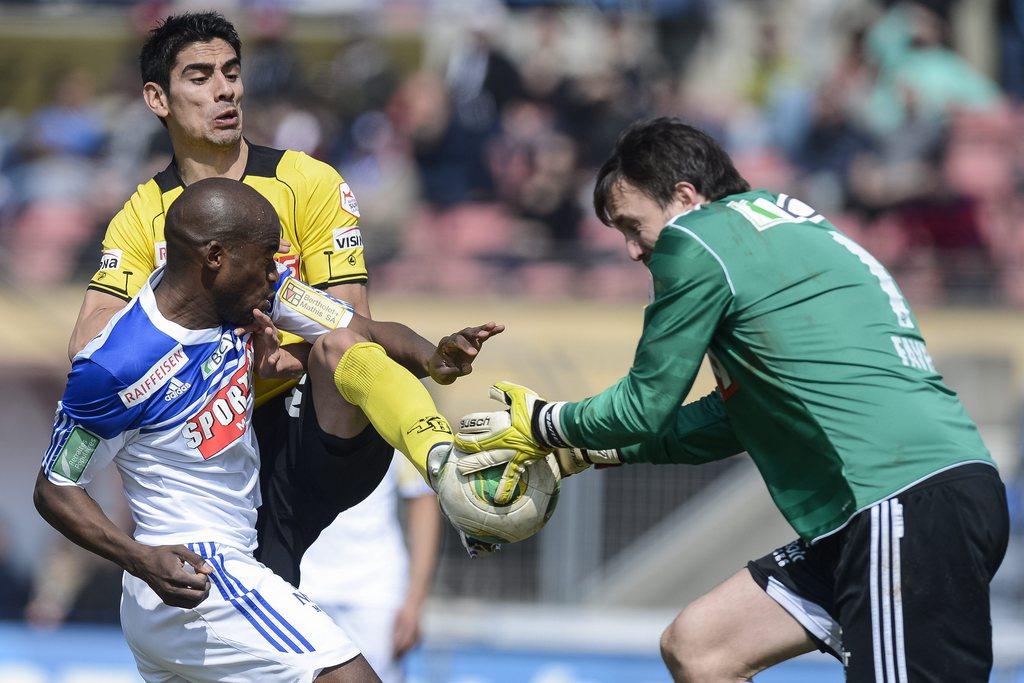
[
  {"x": 688, "y": 196},
  {"x": 213, "y": 255},
  {"x": 157, "y": 99}
]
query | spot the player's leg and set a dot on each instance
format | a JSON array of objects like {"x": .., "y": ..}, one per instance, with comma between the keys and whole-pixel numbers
[
  {"x": 355, "y": 671},
  {"x": 912, "y": 583},
  {"x": 372, "y": 629},
  {"x": 335, "y": 415},
  {"x": 731, "y": 633},
  {"x": 314, "y": 477},
  {"x": 346, "y": 372}
]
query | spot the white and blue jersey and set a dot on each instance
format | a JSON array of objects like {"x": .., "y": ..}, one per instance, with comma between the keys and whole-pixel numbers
[{"x": 172, "y": 407}]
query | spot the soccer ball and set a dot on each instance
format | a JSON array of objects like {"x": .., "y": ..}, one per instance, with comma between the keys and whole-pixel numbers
[{"x": 468, "y": 500}]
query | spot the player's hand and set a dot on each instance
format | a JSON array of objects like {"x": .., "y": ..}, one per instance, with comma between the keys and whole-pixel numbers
[
  {"x": 507, "y": 430},
  {"x": 270, "y": 359},
  {"x": 455, "y": 353},
  {"x": 406, "y": 631},
  {"x": 564, "y": 462},
  {"x": 163, "y": 568}
]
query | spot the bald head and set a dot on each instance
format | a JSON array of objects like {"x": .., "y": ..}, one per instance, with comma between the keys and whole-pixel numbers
[{"x": 219, "y": 210}]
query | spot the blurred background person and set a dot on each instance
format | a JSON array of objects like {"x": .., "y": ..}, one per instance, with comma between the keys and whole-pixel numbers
[{"x": 372, "y": 578}]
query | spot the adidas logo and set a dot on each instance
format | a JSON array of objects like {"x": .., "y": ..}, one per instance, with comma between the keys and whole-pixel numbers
[{"x": 176, "y": 388}]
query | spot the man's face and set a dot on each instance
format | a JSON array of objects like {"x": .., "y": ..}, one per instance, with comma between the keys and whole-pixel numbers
[
  {"x": 245, "y": 281},
  {"x": 640, "y": 218},
  {"x": 204, "y": 102}
]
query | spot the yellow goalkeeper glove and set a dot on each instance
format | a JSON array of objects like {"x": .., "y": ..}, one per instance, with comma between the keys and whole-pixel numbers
[{"x": 511, "y": 431}]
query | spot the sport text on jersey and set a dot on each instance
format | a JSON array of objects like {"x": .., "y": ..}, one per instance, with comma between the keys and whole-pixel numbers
[
  {"x": 292, "y": 262},
  {"x": 155, "y": 377},
  {"x": 222, "y": 421}
]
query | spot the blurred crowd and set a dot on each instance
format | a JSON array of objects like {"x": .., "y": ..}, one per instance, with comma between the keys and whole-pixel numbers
[{"x": 474, "y": 164}]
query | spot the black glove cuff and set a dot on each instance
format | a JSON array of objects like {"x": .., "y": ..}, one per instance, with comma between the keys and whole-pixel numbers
[{"x": 542, "y": 425}]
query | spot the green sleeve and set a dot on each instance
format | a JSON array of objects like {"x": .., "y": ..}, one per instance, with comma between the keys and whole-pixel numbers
[
  {"x": 700, "y": 433},
  {"x": 692, "y": 294}
]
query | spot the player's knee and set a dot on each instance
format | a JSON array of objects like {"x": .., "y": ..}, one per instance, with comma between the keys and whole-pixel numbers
[
  {"x": 329, "y": 348},
  {"x": 689, "y": 652}
]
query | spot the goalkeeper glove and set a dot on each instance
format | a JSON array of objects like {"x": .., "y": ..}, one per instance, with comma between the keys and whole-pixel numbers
[
  {"x": 510, "y": 432},
  {"x": 564, "y": 462}
]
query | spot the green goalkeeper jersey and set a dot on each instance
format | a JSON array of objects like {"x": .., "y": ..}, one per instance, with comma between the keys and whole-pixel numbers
[{"x": 823, "y": 375}]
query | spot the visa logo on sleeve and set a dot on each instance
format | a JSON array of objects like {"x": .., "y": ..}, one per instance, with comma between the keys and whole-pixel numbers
[{"x": 347, "y": 238}]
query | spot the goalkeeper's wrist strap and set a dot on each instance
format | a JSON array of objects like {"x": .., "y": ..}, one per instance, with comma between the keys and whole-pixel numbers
[
  {"x": 545, "y": 426},
  {"x": 606, "y": 458}
]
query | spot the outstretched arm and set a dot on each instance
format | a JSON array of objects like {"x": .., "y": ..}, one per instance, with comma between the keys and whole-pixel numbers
[
  {"x": 311, "y": 313},
  {"x": 700, "y": 433},
  {"x": 73, "y": 512}
]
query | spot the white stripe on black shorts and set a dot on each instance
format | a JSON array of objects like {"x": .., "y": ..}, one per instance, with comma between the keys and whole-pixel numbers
[{"x": 901, "y": 593}]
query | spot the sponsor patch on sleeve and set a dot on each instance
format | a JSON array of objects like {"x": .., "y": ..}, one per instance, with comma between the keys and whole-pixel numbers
[
  {"x": 314, "y": 304},
  {"x": 348, "y": 200},
  {"x": 110, "y": 259},
  {"x": 347, "y": 238},
  {"x": 75, "y": 455}
]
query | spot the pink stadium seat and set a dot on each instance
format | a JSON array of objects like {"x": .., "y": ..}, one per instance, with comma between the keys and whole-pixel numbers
[{"x": 46, "y": 239}]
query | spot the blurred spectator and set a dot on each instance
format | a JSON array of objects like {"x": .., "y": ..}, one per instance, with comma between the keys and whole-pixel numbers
[
  {"x": 69, "y": 125},
  {"x": 919, "y": 77},
  {"x": 448, "y": 151},
  {"x": 13, "y": 584},
  {"x": 1010, "y": 18}
]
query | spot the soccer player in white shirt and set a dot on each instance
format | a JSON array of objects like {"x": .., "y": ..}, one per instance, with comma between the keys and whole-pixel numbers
[
  {"x": 360, "y": 573},
  {"x": 164, "y": 393}
]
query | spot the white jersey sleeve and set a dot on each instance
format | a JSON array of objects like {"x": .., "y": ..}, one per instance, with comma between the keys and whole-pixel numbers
[
  {"x": 89, "y": 427},
  {"x": 304, "y": 310}
]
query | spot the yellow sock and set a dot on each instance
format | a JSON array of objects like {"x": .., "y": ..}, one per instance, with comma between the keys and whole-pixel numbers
[{"x": 396, "y": 403}]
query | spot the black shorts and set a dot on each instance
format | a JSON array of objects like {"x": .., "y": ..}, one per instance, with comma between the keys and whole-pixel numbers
[
  {"x": 307, "y": 477},
  {"x": 902, "y": 592}
]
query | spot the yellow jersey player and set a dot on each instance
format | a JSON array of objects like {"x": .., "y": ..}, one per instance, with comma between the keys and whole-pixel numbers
[{"x": 314, "y": 463}]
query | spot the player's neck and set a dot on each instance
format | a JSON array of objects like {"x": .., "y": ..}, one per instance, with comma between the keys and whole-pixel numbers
[
  {"x": 183, "y": 305},
  {"x": 201, "y": 161}
]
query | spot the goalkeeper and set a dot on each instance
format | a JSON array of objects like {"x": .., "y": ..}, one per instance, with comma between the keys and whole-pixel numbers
[{"x": 825, "y": 380}]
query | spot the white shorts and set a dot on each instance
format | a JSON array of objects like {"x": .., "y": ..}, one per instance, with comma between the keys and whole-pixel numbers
[
  {"x": 254, "y": 626},
  {"x": 373, "y": 629}
]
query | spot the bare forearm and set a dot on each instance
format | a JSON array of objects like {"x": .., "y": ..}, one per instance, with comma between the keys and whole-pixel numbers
[
  {"x": 424, "y": 529},
  {"x": 97, "y": 310},
  {"x": 72, "y": 512},
  {"x": 403, "y": 345}
]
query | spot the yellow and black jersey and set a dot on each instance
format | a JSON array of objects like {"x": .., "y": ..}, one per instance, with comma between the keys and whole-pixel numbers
[
  {"x": 318, "y": 212},
  {"x": 319, "y": 217}
]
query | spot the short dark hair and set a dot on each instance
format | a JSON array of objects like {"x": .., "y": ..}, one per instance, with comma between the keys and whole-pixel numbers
[
  {"x": 174, "y": 34},
  {"x": 655, "y": 154}
]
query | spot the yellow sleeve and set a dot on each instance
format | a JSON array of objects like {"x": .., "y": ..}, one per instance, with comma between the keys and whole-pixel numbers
[
  {"x": 127, "y": 256},
  {"x": 330, "y": 244}
]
